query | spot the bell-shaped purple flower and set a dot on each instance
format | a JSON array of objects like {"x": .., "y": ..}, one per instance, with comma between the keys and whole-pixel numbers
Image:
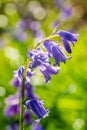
[
  {"x": 47, "y": 44},
  {"x": 27, "y": 118},
  {"x": 58, "y": 55},
  {"x": 36, "y": 107},
  {"x": 67, "y": 37},
  {"x": 47, "y": 70},
  {"x": 12, "y": 107},
  {"x": 45, "y": 73},
  {"x": 56, "y": 52},
  {"x": 11, "y": 110},
  {"x": 38, "y": 57},
  {"x": 18, "y": 74},
  {"x": 16, "y": 82}
]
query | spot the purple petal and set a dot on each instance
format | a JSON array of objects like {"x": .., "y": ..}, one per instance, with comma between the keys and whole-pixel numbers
[
  {"x": 27, "y": 117},
  {"x": 38, "y": 57},
  {"x": 11, "y": 110},
  {"x": 37, "y": 108},
  {"x": 45, "y": 73},
  {"x": 29, "y": 92},
  {"x": 67, "y": 46},
  {"x": 18, "y": 73},
  {"x": 52, "y": 69},
  {"x": 56, "y": 55},
  {"x": 29, "y": 73},
  {"x": 67, "y": 35},
  {"x": 16, "y": 82},
  {"x": 12, "y": 100},
  {"x": 47, "y": 44}
]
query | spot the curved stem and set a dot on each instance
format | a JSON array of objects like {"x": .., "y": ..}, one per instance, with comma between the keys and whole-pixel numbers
[{"x": 47, "y": 38}]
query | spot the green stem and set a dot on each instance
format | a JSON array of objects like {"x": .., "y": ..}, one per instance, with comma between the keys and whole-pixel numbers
[
  {"x": 52, "y": 37},
  {"x": 21, "y": 105},
  {"x": 22, "y": 95}
]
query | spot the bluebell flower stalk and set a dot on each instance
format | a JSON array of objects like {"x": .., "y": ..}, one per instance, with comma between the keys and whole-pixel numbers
[{"x": 38, "y": 58}]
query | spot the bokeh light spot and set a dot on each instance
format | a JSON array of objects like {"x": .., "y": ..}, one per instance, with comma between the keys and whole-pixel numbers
[
  {"x": 11, "y": 53},
  {"x": 72, "y": 88},
  {"x": 39, "y": 13},
  {"x": 3, "y": 20},
  {"x": 78, "y": 124},
  {"x": 10, "y": 9},
  {"x": 33, "y": 5},
  {"x": 14, "y": 56},
  {"x": 2, "y": 91}
]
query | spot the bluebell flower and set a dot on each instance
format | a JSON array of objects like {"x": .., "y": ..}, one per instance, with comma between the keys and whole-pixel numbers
[
  {"x": 37, "y": 57},
  {"x": 36, "y": 107},
  {"x": 45, "y": 73},
  {"x": 47, "y": 70},
  {"x": 18, "y": 75},
  {"x": 27, "y": 118},
  {"x": 16, "y": 82},
  {"x": 11, "y": 110},
  {"x": 56, "y": 51},
  {"x": 12, "y": 107},
  {"x": 29, "y": 91},
  {"x": 67, "y": 37},
  {"x": 40, "y": 59},
  {"x": 58, "y": 55}
]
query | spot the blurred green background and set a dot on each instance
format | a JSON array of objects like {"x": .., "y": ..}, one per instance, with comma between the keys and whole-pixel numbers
[{"x": 66, "y": 93}]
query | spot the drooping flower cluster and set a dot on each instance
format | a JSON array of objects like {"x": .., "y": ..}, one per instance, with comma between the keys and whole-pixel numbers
[{"x": 38, "y": 59}]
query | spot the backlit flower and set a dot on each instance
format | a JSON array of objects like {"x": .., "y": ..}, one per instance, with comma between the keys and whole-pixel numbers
[{"x": 36, "y": 107}]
